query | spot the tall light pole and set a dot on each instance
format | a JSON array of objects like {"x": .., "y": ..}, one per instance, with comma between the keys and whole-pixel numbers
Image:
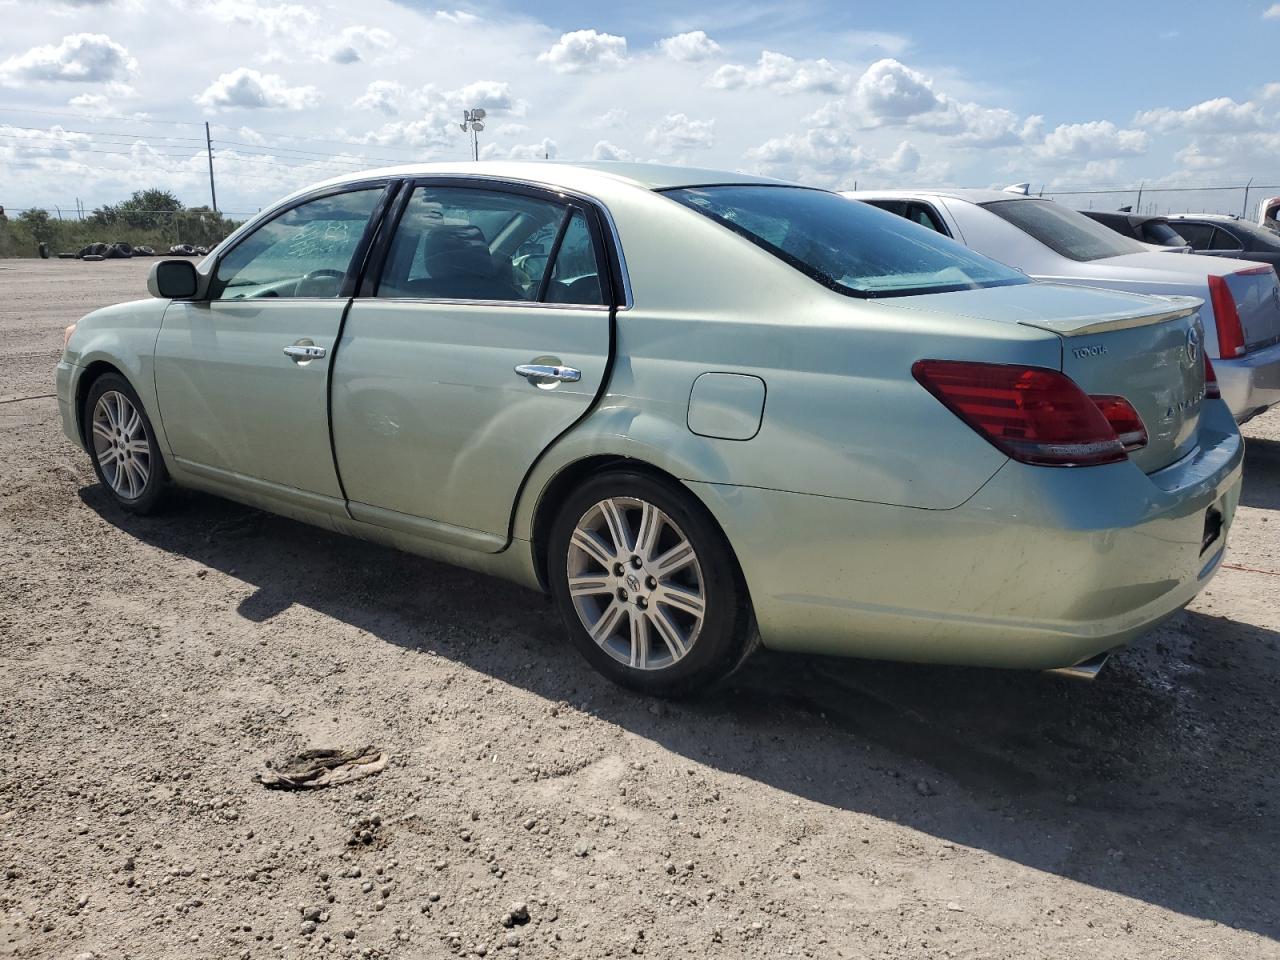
[{"x": 473, "y": 123}]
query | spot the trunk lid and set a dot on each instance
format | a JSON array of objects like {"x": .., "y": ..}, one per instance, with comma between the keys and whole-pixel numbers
[
  {"x": 1257, "y": 295},
  {"x": 1149, "y": 350},
  {"x": 1154, "y": 358}
]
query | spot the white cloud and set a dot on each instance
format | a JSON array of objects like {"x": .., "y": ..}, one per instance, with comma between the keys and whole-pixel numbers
[
  {"x": 830, "y": 157},
  {"x": 246, "y": 89},
  {"x": 358, "y": 43},
  {"x": 91, "y": 103},
  {"x": 617, "y": 117},
  {"x": 1272, "y": 12},
  {"x": 272, "y": 20},
  {"x": 487, "y": 94},
  {"x": 777, "y": 71},
  {"x": 78, "y": 58},
  {"x": 604, "y": 150},
  {"x": 1094, "y": 140},
  {"x": 676, "y": 132},
  {"x": 891, "y": 91},
  {"x": 691, "y": 46},
  {"x": 583, "y": 50},
  {"x": 1241, "y": 152},
  {"x": 545, "y": 149},
  {"x": 1221, "y": 115},
  {"x": 384, "y": 96}
]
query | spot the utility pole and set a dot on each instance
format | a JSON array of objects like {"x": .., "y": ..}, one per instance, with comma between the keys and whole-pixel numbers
[
  {"x": 473, "y": 123},
  {"x": 208, "y": 146}
]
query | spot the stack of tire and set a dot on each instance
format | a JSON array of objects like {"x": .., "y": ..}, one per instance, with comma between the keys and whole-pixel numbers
[
  {"x": 106, "y": 251},
  {"x": 182, "y": 250}
]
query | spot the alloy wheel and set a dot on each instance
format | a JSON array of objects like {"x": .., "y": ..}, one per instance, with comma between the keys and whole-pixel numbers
[
  {"x": 635, "y": 583},
  {"x": 120, "y": 445}
]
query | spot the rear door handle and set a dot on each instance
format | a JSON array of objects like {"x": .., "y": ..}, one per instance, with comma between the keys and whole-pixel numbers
[
  {"x": 545, "y": 373},
  {"x": 301, "y": 353}
]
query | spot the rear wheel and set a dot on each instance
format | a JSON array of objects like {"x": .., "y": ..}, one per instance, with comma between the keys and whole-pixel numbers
[
  {"x": 122, "y": 444},
  {"x": 646, "y": 585}
]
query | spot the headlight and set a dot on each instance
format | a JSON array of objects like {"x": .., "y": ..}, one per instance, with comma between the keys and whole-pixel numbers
[{"x": 66, "y": 335}]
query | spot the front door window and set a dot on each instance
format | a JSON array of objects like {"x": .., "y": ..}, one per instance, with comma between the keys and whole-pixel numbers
[{"x": 304, "y": 252}]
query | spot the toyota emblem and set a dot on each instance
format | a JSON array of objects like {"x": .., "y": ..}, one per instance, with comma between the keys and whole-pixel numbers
[{"x": 1193, "y": 345}]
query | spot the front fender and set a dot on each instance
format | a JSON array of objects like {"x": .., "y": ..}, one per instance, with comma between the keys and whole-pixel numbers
[{"x": 123, "y": 337}]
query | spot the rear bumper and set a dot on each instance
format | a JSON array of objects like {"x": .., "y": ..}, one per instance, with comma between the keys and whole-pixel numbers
[
  {"x": 1250, "y": 384},
  {"x": 1042, "y": 568}
]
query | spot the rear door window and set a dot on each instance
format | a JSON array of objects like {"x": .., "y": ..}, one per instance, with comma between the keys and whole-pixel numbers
[
  {"x": 459, "y": 243},
  {"x": 1199, "y": 235},
  {"x": 926, "y": 216},
  {"x": 575, "y": 276},
  {"x": 1224, "y": 240}
]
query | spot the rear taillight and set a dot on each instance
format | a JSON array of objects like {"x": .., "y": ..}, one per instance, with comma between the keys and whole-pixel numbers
[
  {"x": 1227, "y": 317},
  {"x": 1211, "y": 391},
  {"x": 1031, "y": 414},
  {"x": 1124, "y": 420}
]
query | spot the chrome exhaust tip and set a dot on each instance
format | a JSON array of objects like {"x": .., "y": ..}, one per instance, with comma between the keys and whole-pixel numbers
[{"x": 1085, "y": 669}]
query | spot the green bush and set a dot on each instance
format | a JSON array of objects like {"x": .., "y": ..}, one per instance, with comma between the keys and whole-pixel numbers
[{"x": 199, "y": 226}]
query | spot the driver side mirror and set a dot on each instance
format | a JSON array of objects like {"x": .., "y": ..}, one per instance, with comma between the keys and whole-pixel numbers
[{"x": 173, "y": 280}]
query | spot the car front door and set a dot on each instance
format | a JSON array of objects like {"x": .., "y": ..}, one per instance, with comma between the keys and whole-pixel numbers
[
  {"x": 242, "y": 375},
  {"x": 486, "y": 337}
]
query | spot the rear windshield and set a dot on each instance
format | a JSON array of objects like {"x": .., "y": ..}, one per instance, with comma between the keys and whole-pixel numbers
[
  {"x": 1063, "y": 230},
  {"x": 851, "y": 247}
]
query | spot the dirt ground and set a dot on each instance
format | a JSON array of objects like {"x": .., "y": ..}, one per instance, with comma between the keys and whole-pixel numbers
[{"x": 812, "y": 808}]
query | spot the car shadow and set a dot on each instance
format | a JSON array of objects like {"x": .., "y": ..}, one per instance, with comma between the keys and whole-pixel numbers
[
  {"x": 1157, "y": 781},
  {"x": 1262, "y": 470}
]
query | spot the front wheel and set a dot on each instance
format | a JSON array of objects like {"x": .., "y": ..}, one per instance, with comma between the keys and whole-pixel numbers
[
  {"x": 647, "y": 586},
  {"x": 123, "y": 445}
]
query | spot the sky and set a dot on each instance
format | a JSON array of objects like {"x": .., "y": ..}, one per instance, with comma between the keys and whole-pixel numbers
[{"x": 99, "y": 98}]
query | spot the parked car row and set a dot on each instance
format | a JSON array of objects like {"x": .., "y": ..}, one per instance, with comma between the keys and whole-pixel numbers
[
  {"x": 1050, "y": 241},
  {"x": 705, "y": 410}
]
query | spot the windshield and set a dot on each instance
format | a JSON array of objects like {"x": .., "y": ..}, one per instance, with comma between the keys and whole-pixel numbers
[
  {"x": 849, "y": 246},
  {"x": 1063, "y": 230}
]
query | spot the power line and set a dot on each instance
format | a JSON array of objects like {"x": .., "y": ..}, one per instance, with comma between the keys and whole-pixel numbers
[
  {"x": 99, "y": 116},
  {"x": 98, "y": 133}
]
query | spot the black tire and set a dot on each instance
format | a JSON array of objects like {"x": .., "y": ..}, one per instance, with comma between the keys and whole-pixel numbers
[
  {"x": 149, "y": 495},
  {"x": 726, "y": 635}
]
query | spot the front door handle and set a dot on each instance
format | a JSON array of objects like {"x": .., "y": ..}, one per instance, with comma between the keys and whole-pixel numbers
[
  {"x": 303, "y": 352},
  {"x": 547, "y": 374}
]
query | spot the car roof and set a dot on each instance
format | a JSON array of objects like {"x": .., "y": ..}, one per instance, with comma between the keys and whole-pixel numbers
[
  {"x": 567, "y": 175},
  {"x": 1204, "y": 216},
  {"x": 951, "y": 193}
]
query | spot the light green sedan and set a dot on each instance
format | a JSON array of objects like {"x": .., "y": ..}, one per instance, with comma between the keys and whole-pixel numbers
[{"x": 701, "y": 410}]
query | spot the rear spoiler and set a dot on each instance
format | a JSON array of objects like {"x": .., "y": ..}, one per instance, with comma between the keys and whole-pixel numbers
[{"x": 1177, "y": 308}]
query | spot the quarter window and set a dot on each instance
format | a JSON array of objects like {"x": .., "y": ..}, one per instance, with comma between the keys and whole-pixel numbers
[
  {"x": 304, "y": 252},
  {"x": 463, "y": 243}
]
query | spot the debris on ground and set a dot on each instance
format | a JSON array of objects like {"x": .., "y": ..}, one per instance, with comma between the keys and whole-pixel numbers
[{"x": 314, "y": 769}]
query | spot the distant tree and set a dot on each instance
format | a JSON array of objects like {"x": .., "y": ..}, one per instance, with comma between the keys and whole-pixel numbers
[
  {"x": 146, "y": 209},
  {"x": 38, "y": 222}
]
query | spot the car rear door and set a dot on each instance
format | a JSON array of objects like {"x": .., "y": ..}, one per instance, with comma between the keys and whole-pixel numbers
[
  {"x": 483, "y": 334},
  {"x": 241, "y": 376}
]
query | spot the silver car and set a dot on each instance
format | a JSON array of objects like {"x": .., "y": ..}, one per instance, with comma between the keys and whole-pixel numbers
[
  {"x": 701, "y": 410},
  {"x": 1050, "y": 241}
]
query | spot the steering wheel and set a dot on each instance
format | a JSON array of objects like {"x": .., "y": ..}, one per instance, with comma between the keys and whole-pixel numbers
[{"x": 321, "y": 273}]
